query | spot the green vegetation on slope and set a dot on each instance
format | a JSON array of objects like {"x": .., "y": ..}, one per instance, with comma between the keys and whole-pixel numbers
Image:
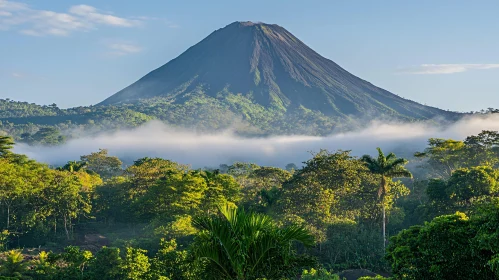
[
  {"x": 204, "y": 113},
  {"x": 237, "y": 112}
]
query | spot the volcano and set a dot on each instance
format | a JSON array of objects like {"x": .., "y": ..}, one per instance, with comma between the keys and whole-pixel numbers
[{"x": 274, "y": 69}]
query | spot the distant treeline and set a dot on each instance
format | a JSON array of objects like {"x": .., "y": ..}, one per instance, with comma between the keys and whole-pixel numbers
[{"x": 22, "y": 119}]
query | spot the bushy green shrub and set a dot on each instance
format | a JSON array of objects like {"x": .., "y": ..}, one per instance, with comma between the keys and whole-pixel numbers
[{"x": 320, "y": 274}]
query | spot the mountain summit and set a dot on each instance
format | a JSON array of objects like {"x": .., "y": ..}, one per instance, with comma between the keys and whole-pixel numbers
[{"x": 273, "y": 69}]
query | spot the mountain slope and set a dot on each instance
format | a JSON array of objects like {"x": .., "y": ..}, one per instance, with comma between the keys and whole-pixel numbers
[{"x": 273, "y": 68}]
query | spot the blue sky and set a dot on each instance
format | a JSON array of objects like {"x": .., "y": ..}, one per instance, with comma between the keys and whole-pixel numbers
[{"x": 442, "y": 53}]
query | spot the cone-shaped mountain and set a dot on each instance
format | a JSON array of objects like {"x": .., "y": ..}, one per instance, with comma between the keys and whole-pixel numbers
[{"x": 273, "y": 68}]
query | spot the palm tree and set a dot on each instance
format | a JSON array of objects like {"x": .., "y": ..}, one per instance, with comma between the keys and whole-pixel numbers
[
  {"x": 73, "y": 166},
  {"x": 387, "y": 167},
  {"x": 6, "y": 144},
  {"x": 246, "y": 245}
]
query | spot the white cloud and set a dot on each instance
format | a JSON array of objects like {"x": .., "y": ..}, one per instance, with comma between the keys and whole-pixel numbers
[
  {"x": 119, "y": 49},
  {"x": 433, "y": 69},
  {"x": 34, "y": 22},
  {"x": 17, "y": 75},
  {"x": 10, "y": 6},
  {"x": 92, "y": 14},
  {"x": 158, "y": 140}
]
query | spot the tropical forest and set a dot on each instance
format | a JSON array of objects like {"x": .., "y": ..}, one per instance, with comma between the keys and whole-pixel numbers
[{"x": 335, "y": 216}]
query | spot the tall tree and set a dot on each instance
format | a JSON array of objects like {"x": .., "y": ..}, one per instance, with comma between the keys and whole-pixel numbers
[
  {"x": 263, "y": 181},
  {"x": 66, "y": 201},
  {"x": 73, "y": 166},
  {"x": 330, "y": 186},
  {"x": 483, "y": 149},
  {"x": 144, "y": 173},
  {"x": 442, "y": 157},
  {"x": 103, "y": 164},
  {"x": 448, "y": 247},
  {"x": 221, "y": 189},
  {"x": 6, "y": 144},
  {"x": 387, "y": 167}
]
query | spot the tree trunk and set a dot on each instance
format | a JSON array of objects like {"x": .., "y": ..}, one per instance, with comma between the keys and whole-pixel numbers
[
  {"x": 382, "y": 195},
  {"x": 384, "y": 225},
  {"x": 66, "y": 226},
  {"x": 8, "y": 215}
]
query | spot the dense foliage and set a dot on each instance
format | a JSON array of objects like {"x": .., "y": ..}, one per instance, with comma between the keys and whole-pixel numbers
[
  {"x": 23, "y": 120},
  {"x": 158, "y": 219},
  {"x": 238, "y": 112}
]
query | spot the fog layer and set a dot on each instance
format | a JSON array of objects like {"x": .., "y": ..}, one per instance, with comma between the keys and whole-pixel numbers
[{"x": 200, "y": 150}]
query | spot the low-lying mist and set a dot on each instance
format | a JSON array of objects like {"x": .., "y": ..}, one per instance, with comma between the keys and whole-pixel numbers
[{"x": 209, "y": 150}]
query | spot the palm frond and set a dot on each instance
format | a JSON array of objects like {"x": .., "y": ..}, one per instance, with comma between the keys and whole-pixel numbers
[
  {"x": 368, "y": 159},
  {"x": 297, "y": 233},
  {"x": 398, "y": 161},
  {"x": 238, "y": 244},
  {"x": 371, "y": 163},
  {"x": 390, "y": 157},
  {"x": 220, "y": 235},
  {"x": 381, "y": 157},
  {"x": 204, "y": 251},
  {"x": 400, "y": 173}
]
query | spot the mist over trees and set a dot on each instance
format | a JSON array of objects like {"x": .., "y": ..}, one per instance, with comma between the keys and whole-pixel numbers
[
  {"x": 96, "y": 218},
  {"x": 48, "y": 125}
]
